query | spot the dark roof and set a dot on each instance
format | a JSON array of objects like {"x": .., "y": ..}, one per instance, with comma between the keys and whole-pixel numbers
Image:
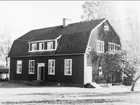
[{"x": 74, "y": 39}]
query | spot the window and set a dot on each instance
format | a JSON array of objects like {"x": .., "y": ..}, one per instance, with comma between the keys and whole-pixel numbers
[
  {"x": 100, "y": 46},
  {"x": 49, "y": 45},
  {"x": 34, "y": 46},
  {"x": 106, "y": 27},
  {"x": 117, "y": 47},
  {"x": 51, "y": 67},
  {"x": 31, "y": 66},
  {"x": 111, "y": 46},
  {"x": 68, "y": 67},
  {"x": 19, "y": 67},
  {"x": 41, "y": 46}
]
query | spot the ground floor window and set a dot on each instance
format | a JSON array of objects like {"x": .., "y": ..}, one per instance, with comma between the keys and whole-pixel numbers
[
  {"x": 51, "y": 67},
  {"x": 19, "y": 67},
  {"x": 68, "y": 67},
  {"x": 31, "y": 66}
]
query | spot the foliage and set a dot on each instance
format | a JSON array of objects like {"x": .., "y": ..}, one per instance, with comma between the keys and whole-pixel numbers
[
  {"x": 121, "y": 61},
  {"x": 90, "y": 9},
  {"x": 5, "y": 45}
]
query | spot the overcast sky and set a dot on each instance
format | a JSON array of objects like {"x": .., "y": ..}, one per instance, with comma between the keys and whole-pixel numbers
[{"x": 23, "y": 16}]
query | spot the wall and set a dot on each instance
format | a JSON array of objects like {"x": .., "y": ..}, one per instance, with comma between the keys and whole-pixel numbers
[
  {"x": 59, "y": 77},
  {"x": 99, "y": 34}
]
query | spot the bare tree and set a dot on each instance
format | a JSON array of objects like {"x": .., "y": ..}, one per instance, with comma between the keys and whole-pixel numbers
[{"x": 5, "y": 45}]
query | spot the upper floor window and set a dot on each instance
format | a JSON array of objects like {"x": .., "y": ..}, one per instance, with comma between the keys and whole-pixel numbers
[
  {"x": 31, "y": 66},
  {"x": 44, "y": 45},
  {"x": 100, "y": 46},
  {"x": 50, "y": 45},
  {"x": 19, "y": 67},
  {"x": 34, "y": 46},
  {"x": 113, "y": 46},
  {"x": 51, "y": 67},
  {"x": 106, "y": 27},
  {"x": 41, "y": 46},
  {"x": 68, "y": 67}
]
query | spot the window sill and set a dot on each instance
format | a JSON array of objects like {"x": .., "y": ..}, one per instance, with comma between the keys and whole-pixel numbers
[{"x": 18, "y": 73}]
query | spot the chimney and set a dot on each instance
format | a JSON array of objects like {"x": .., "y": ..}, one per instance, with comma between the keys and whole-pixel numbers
[{"x": 66, "y": 21}]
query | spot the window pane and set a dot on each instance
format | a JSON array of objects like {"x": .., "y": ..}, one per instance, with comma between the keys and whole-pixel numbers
[
  {"x": 34, "y": 46},
  {"x": 100, "y": 46},
  {"x": 31, "y": 66},
  {"x": 50, "y": 45},
  {"x": 68, "y": 67},
  {"x": 19, "y": 67},
  {"x": 51, "y": 67}
]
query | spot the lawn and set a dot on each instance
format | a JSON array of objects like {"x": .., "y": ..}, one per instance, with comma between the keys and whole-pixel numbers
[{"x": 17, "y": 94}]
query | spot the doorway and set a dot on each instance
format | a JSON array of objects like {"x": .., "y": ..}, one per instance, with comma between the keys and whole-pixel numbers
[{"x": 41, "y": 71}]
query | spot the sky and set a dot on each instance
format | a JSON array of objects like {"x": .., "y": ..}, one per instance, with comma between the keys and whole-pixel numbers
[{"x": 19, "y": 17}]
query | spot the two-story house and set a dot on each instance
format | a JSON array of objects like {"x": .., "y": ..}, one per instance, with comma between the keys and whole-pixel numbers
[{"x": 60, "y": 54}]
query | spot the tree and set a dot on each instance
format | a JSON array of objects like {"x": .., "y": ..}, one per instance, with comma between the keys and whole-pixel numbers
[
  {"x": 90, "y": 10},
  {"x": 127, "y": 63},
  {"x": 128, "y": 25},
  {"x": 5, "y": 45}
]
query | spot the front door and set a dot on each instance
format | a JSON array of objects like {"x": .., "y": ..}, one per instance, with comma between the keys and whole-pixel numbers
[{"x": 41, "y": 71}]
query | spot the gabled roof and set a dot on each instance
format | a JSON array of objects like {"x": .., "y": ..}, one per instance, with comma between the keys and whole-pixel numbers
[{"x": 74, "y": 39}]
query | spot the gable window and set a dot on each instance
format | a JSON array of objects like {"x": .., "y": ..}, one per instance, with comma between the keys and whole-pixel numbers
[
  {"x": 41, "y": 46},
  {"x": 44, "y": 45},
  {"x": 68, "y": 67},
  {"x": 19, "y": 67},
  {"x": 34, "y": 46},
  {"x": 51, "y": 67},
  {"x": 100, "y": 46},
  {"x": 111, "y": 46},
  {"x": 106, "y": 28},
  {"x": 31, "y": 66},
  {"x": 49, "y": 45}
]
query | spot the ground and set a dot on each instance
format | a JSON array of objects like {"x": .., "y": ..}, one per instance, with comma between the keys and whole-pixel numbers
[{"x": 16, "y": 94}]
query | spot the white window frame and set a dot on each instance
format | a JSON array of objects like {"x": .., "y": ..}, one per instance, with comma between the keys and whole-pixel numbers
[
  {"x": 110, "y": 44},
  {"x": 31, "y": 67},
  {"x": 51, "y": 67},
  {"x": 100, "y": 46},
  {"x": 19, "y": 67},
  {"x": 68, "y": 67}
]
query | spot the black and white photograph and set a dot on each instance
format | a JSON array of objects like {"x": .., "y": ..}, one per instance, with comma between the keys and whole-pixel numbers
[{"x": 69, "y": 52}]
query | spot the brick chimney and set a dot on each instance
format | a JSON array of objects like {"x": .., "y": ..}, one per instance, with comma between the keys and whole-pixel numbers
[{"x": 66, "y": 21}]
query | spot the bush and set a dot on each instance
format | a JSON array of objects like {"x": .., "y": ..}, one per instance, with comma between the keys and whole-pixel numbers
[
  {"x": 127, "y": 81},
  {"x": 88, "y": 85}
]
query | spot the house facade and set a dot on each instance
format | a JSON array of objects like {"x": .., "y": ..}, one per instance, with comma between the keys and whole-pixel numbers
[{"x": 61, "y": 54}]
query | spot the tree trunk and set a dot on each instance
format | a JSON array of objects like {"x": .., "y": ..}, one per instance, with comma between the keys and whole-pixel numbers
[{"x": 134, "y": 83}]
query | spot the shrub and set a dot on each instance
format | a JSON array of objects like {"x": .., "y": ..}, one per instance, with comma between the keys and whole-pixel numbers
[{"x": 127, "y": 81}]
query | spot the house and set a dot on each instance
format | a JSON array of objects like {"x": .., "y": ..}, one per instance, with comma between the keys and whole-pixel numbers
[{"x": 60, "y": 54}]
